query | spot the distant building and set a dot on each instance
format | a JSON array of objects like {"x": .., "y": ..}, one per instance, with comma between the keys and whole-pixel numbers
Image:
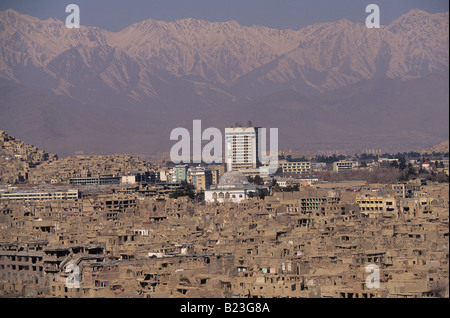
[
  {"x": 201, "y": 178},
  {"x": 286, "y": 182},
  {"x": 164, "y": 175},
  {"x": 308, "y": 181},
  {"x": 343, "y": 166},
  {"x": 215, "y": 175},
  {"x": 217, "y": 171},
  {"x": 444, "y": 162},
  {"x": 233, "y": 187},
  {"x": 295, "y": 167},
  {"x": 178, "y": 173},
  {"x": 426, "y": 166},
  {"x": 40, "y": 195},
  {"x": 242, "y": 147},
  {"x": 263, "y": 172},
  {"x": 128, "y": 179},
  {"x": 373, "y": 205},
  {"x": 135, "y": 177},
  {"x": 386, "y": 162},
  {"x": 100, "y": 180},
  {"x": 318, "y": 166},
  {"x": 406, "y": 190}
]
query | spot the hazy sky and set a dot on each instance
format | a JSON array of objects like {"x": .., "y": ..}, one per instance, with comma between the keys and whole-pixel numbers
[{"x": 114, "y": 15}]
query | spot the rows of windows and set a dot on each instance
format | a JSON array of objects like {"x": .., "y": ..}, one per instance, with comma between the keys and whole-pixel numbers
[{"x": 226, "y": 195}]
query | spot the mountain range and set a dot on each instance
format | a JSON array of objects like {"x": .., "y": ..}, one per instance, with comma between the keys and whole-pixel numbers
[{"x": 328, "y": 86}]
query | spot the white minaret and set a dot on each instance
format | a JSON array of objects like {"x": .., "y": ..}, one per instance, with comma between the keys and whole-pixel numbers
[{"x": 229, "y": 155}]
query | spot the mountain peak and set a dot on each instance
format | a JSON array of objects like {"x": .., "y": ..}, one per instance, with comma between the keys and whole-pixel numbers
[
  {"x": 417, "y": 16},
  {"x": 415, "y": 11},
  {"x": 202, "y": 65},
  {"x": 9, "y": 11},
  {"x": 422, "y": 26},
  {"x": 12, "y": 15}
]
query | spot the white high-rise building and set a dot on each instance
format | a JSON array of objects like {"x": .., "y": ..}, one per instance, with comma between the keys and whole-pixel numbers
[{"x": 241, "y": 151}]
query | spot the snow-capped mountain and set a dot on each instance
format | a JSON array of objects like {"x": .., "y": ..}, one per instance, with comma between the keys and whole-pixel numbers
[{"x": 191, "y": 67}]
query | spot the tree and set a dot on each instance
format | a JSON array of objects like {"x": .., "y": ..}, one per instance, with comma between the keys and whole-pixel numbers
[
  {"x": 255, "y": 180},
  {"x": 291, "y": 188},
  {"x": 258, "y": 180},
  {"x": 200, "y": 196},
  {"x": 403, "y": 177},
  {"x": 423, "y": 171},
  {"x": 411, "y": 170},
  {"x": 260, "y": 192},
  {"x": 402, "y": 163},
  {"x": 187, "y": 190}
]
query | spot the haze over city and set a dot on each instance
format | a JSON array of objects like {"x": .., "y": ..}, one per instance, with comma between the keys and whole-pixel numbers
[
  {"x": 240, "y": 153},
  {"x": 151, "y": 75}
]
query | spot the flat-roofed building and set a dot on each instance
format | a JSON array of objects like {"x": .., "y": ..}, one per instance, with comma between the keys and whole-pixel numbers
[
  {"x": 178, "y": 173},
  {"x": 295, "y": 167},
  {"x": 215, "y": 174},
  {"x": 242, "y": 142},
  {"x": 371, "y": 205},
  {"x": 406, "y": 190},
  {"x": 200, "y": 177},
  {"x": 217, "y": 171},
  {"x": 444, "y": 162},
  {"x": 343, "y": 165},
  {"x": 100, "y": 180},
  {"x": 40, "y": 195}
]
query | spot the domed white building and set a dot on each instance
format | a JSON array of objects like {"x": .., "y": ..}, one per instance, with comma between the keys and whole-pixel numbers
[{"x": 233, "y": 187}]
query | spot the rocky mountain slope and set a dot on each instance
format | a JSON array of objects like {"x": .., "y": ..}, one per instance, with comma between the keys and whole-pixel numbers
[{"x": 94, "y": 90}]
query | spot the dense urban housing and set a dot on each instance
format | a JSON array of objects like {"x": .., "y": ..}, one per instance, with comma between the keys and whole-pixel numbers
[{"x": 119, "y": 226}]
